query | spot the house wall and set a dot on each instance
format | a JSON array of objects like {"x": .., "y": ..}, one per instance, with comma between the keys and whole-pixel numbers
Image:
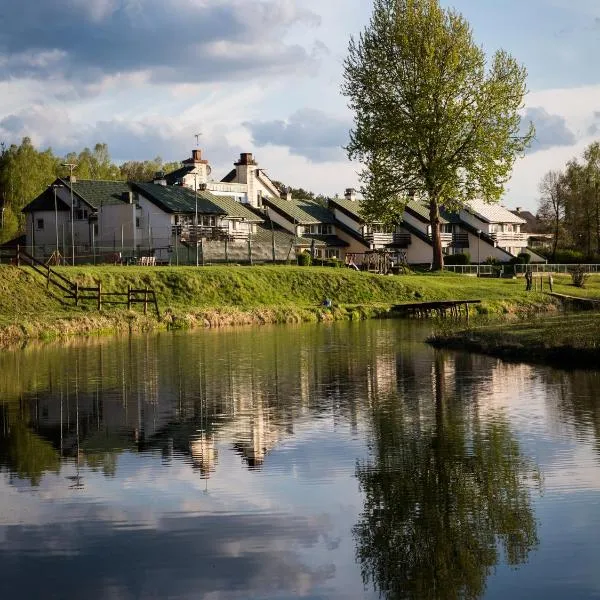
[
  {"x": 472, "y": 220},
  {"x": 348, "y": 221},
  {"x": 155, "y": 225},
  {"x": 486, "y": 250},
  {"x": 419, "y": 252},
  {"x": 283, "y": 222},
  {"x": 417, "y": 223},
  {"x": 355, "y": 247}
]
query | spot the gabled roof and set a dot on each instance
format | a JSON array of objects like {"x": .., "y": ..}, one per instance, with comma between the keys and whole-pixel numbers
[
  {"x": 234, "y": 209},
  {"x": 301, "y": 212},
  {"x": 492, "y": 213},
  {"x": 95, "y": 193},
  {"x": 229, "y": 178},
  {"x": 99, "y": 193},
  {"x": 175, "y": 177},
  {"x": 532, "y": 224},
  {"x": 45, "y": 202},
  {"x": 264, "y": 234},
  {"x": 421, "y": 211},
  {"x": 350, "y": 207},
  {"x": 178, "y": 199}
]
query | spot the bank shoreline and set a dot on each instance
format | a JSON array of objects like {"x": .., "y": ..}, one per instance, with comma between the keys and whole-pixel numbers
[
  {"x": 570, "y": 341},
  {"x": 191, "y": 298}
]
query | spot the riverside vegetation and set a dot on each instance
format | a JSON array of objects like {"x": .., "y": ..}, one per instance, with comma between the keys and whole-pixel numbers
[
  {"x": 230, "y": 295},
  {"x": 565, "y": 341}
]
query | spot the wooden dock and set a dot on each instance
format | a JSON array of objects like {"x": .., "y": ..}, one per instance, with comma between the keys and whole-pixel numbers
[
  {"x": 441, "y": 308},
  {"x": 577, "y": 302}
]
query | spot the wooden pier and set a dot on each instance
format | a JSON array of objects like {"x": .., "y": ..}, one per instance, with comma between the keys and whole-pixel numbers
[
  {"x": 441, "y": 308},
  {"x": 578, "y": 303}
]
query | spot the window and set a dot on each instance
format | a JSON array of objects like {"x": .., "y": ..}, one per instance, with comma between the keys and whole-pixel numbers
[
  {"x": 81, "y": 214},
  {"x": 234, "y": 225},
  {"x": 446, "y": 228},
  {"x": 319, "y": 229},
  {"x": 333, "y": 253},
  {"x": 137, "y": 222},
  {"x": 40, "y": 223}
]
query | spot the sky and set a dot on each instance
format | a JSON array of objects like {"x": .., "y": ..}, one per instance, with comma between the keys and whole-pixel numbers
[{"x": 145, "y": 76}]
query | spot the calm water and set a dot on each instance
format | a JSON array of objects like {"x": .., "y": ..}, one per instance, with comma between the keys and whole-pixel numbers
[{"x": 342, "y": 461}]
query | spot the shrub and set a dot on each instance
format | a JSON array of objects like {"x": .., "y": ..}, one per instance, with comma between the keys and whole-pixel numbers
[
  {"x": 524, "y": 258},
  {"x": 304, "y": 259},
  {"x": 579, "y": 276},
  {"x": 462, "y": 258},
  {"x": 492, "y": 260}
]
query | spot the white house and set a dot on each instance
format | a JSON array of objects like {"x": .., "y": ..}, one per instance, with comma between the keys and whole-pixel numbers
[
  {"x": 304, "y": 218},
  {"x": 246, "y": 183}
]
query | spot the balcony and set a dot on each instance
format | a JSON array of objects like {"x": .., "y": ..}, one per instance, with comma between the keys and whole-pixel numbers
[
  {"x": 446, "y": 239},
  {"x": 510, "y": 238},
  {"x": 460, "y": 240},
  {"x": 380, "y": 240},
  {"x": 190, "y": 234}
]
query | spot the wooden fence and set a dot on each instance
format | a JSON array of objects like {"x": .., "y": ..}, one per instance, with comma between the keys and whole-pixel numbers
[{"x": 79, "y": 293}]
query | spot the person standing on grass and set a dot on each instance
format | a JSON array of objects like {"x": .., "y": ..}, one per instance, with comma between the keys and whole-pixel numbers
[
  {"x": 528, "y": 280},
  {"x": 550, "y": 282}
]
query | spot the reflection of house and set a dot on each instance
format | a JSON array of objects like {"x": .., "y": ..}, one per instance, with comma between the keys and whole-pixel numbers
[{"x": 204, "y": 454}]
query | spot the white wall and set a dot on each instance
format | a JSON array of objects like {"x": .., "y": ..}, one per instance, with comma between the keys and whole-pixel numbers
[
  {"x": 348, "y": 221},
  {"x": 280, "y": 220}
]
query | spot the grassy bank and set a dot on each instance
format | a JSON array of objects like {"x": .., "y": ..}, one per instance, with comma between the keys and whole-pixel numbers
[
  {"x": 216, "y": 296},
  {"x": 568, "y": 340}
]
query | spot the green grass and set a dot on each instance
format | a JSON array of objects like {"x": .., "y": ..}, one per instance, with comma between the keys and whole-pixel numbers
[
  {"x": 190, "y": 296},
  {"x": 565, "y": 340}
]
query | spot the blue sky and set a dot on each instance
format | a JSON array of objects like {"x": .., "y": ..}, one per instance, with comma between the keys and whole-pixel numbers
[{"x": 145, "y": 75}]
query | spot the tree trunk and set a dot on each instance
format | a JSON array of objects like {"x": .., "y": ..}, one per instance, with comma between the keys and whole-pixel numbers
[
  {"x": 555, "y": 242},
  {"x": 437, "y": 263}
]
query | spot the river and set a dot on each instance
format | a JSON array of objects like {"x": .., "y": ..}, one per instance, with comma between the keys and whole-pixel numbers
[{"x": 346, "y": 460}]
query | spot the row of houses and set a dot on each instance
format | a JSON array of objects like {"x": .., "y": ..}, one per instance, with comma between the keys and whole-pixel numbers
[{"x": 186, "y": 207}]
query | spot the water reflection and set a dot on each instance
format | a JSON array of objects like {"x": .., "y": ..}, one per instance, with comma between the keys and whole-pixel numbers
[
  {"x": 342, "y": 461},
  {"x": 445, "y": 491}
]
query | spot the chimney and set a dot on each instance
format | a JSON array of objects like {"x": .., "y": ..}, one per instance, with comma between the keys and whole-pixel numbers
[
  {"x": 197, "y": 155},
  {"x": 288, "y": 195},
  {"x": 159, "y": 178},
  {"x": 127, "y": 197},
  {"x": 350, "y": 194},
  {"x": 246, "y": 158},
  {"x": 71, "y": 178},
  {"x": 518, "y": 209},
  {"x": 202, "y": 187}
]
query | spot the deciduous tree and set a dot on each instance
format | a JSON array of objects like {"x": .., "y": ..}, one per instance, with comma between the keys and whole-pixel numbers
[{"x": 431, "y": 115}]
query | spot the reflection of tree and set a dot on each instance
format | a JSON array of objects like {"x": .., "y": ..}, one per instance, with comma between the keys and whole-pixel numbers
[
  {"x": 440, "y": 493},
  {"x": 24, "y": 453}
]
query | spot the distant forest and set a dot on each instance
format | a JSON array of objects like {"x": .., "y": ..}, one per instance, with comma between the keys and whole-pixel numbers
[{"x": 25, "y": 172}]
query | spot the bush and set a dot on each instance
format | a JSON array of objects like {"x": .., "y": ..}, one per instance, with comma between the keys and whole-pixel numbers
[
  {"x": 579, "y": 276},
  {"x": 304, "y": 259},
  {"x": 332, "y": 262},
  {"x": 458, "y": 259},
  {"x": 491, "y": 260},
  {"x": 524, "y": 258},
  {"x": 567, "y": 257}
]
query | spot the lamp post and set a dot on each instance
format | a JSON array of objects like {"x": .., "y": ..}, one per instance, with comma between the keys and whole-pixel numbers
[
  {"x": 478, "y": 245},
  {"x": 196, "y": 215},
  {"x": 71, "y": 167},
  {"x": 54, "y": 187}
]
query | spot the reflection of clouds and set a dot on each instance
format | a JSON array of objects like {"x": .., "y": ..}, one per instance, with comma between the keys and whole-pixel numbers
[{"x": 240, "y": 555}]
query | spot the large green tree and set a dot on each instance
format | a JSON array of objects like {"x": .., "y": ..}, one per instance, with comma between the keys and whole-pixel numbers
[{"x": 432, "y": 117}]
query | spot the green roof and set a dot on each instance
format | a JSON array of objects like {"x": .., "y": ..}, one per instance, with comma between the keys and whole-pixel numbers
[
  {"x": 99, "y": 193},
  {"x": 282, "y": 236},
  {"x": 349, "y": 206},
  {"x": 422, "y": 210},
  {"x": 234, "y": 209},
  {"x": 301, "y": 212},
  {"x": 178, "y": 199}
]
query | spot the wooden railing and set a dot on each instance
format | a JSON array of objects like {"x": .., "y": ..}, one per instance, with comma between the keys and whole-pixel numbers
[{"x": 79, "y": 293}]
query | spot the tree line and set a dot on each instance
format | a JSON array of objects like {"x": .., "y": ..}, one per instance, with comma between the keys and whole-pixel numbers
[
  {"x": 569, "y": 206},
  {"x": 26, "y": 171}
]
